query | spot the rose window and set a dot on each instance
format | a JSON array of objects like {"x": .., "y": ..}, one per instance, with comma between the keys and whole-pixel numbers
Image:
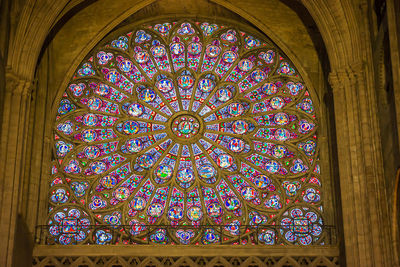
[{"x": 186, "y": 124}]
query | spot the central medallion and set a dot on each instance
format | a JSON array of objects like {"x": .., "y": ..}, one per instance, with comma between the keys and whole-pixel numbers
[{"x": 185, "y": 126}]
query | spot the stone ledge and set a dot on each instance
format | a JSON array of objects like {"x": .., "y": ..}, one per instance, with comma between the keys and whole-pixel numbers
[{"x": 181, "y": 250}]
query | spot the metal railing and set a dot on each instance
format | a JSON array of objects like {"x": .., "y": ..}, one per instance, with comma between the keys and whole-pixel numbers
[{"x": 141, "y": 234}]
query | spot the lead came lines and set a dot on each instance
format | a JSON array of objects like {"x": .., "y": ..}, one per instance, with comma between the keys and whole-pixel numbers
[{"x": 185, "y": 130}]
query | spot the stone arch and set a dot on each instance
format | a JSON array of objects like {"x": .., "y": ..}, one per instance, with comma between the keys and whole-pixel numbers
[
  {"x": 338, "y": 24},
  {"x": 311, "y": 168},
  {"x": 335, "y": 29},
  {"x": 34, "y": 29},
  {"x": 112, "y": 22},
  {"x": 396, "y": 213}
]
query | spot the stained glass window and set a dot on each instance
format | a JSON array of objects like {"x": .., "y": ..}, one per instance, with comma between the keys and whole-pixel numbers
[{"x": 186, "y": 123}]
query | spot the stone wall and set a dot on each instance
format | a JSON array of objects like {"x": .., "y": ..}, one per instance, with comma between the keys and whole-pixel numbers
[{"x": 46, "y": 40}]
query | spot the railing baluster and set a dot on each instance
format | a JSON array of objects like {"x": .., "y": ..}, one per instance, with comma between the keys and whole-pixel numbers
[
  {"x": 148, "y": 235},
  {"x": 221, "y": 234},
  {"x": 257, "y": 235}
]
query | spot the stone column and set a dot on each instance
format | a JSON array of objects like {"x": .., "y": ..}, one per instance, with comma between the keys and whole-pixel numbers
[
  {"x": 393, "y": 17},
  {"x": 12, "y": 155},
  {"x": 364, "y": 206}
]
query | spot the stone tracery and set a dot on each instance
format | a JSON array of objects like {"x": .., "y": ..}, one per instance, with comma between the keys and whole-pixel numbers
[{"x": 187, "y": 123}]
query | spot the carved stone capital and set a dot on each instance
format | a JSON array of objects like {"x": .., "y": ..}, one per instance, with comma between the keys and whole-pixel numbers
[
  {"x": 347, "y": 77},
  {"x": 17, "y": 85},
  {"x": 336, "y": 80},
  {"x": 356, "y": 71}
]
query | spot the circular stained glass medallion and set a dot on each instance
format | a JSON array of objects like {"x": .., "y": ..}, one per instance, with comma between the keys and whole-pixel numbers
[
  {"x": 175, "y": 213},
  {"x": 185, "y": 175},
  {"x": 185, "y": 81},
  {"x": 155, "y": 210},
  {"x": 164, "y": 172},
  {"x": 224, "y": 94},
  {"x": 236, "y": 109},
  {"x": 185, "y": 126},
  {"x": 133, "y": 145},
  {"x": 240, "y": 127},
  {"x": 138, "y": 203},
  {"x": 195, "y": 213},
  {"x": 165, "y": 85},
  {"x": 207, "y": 171},
  {"x": 225, "y": 161},
  {"x": 135, "y": 110},
  {"x": 90, "y": 119},
  {"x": 214, "y": 210},
  {"x": 145, "y": 161}
]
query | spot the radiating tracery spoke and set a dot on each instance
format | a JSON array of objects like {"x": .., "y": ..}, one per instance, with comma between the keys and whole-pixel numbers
[{"x": 187, "y": 123}]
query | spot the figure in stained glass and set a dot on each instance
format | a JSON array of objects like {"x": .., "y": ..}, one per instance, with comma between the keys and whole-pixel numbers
[{"x": 186, "y": 123}]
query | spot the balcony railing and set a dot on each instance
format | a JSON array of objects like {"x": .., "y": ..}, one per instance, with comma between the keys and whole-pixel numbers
[{"x": 70, "y": 233}]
